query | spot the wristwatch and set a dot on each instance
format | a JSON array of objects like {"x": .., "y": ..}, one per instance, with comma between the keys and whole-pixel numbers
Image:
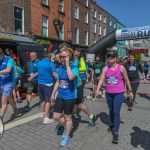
[{"x": 131, "y": 91}]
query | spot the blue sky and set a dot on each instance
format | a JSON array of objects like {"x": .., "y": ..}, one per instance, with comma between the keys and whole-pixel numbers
[{"x": 131, "y": 13}]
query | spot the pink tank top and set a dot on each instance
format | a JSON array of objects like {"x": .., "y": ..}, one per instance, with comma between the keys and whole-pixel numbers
[{"x": 114, "y": 80}]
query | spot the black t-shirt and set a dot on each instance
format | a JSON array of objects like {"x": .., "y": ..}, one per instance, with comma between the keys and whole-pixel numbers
[{"x": 133, "y": 70}]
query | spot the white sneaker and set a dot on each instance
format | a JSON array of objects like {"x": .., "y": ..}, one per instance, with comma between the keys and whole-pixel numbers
[
  {"x": 48, "y": 120},
  {"x": 94, "y": 99},
  {"x": 103, "y": 95},
  {"x": 42, "y": 115}
]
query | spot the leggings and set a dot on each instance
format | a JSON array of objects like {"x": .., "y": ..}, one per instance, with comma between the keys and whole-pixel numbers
[{"x": 114, "y": 101}]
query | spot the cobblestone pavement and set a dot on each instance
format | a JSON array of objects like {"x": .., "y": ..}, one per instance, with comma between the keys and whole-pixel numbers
[{"x": 134, "y": 130}]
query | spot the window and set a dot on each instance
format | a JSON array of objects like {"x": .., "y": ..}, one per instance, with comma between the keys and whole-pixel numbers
[
  {"x": 104, "y": 31},
  {"x": 86, "y": 3},
  {"x": 86, "y": 17},
  {"x": 104, "y": 19},
  {"x": 110, "y": 23},
  {"x": 94, "y": 27},
  {"x": 76, "y": 12},
  {"x": 76, "y": 33},
  {"x": 94, "y": 13},
  {"x": 61, "y": 31},
  {"x": 61, "y": 5},
  {"x": 100, "y": 30},
  {"x": 45, "y": 26},
  {"x": 114, "y": 25},
  {"x": 86, "y": 38},
  {"x": 19, "y": 19},
  {"x": 45, "y": 2},
  {"x": 100, "y": 17}
]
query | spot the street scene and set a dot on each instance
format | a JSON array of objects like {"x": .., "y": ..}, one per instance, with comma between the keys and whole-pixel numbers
[{"x": 74, "y": 74}]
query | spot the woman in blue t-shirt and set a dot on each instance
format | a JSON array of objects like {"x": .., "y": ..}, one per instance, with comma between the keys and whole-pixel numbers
[{"x": 66, "y": 86}]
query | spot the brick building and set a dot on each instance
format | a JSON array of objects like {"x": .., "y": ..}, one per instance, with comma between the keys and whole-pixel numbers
[
  {"x": 98, "y": 19},
  {"x": 51, "y": 18},
  {"x": 80, "y": 22},
  {"x": 15, "y": 16}
]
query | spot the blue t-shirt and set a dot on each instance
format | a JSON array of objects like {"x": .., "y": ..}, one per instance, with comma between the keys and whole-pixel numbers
[
  {"x": 76, "y": 63},
  {"x": 45, "y": 69},
  {"x": 67, "y": 88},
  {"x": 33, "y": 68},
  {"x": 146, "y": 66},
  {"x": 17, "y": 72}
]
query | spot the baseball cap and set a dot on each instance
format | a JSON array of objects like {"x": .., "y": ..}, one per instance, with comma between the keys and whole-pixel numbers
[{"x": 113, "y": 54}]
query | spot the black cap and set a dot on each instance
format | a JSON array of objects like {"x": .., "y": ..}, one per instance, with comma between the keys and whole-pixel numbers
[{"x": 113, "y": 54}]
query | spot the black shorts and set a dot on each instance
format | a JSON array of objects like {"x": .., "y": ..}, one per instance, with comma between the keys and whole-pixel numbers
[
  {"x": 64, "y": 105},
  {"x": 45, "y": 92},
  {"x": 96, "y": 80},
  {"x": 79, "y": 99},
  {"x": 31, "y": 86}
]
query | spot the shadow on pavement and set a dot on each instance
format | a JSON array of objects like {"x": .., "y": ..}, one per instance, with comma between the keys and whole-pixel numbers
[
  {"x": 22, "y": 113},
  {"x": 140, "y": 138},
  {"x": 145, "y": 96}
]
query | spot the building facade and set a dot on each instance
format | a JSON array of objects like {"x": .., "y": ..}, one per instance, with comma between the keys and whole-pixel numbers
[
  {"x": 112, "y": 23},
  {"x": 98, "y": 19},
  {"x": 15, "y": 16},
  {"x": 80, "y": 22},
  {"x": 51, "y": 19}
]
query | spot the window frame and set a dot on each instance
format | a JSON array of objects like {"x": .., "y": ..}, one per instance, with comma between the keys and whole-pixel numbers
[
  {"x": 86, "y": 18},
  {"x": 44, "y": 26},
  {"x": 62, "y": 30},
  {"x": 62, "y": 6},
  {"x": 77, "y": 12},
  {"x": 46, "y": 4},
  {"x": 86, "y": 38},
  {"x": 86, "y": 2},
  {"x": 77, "y": 36},
  {"x": 94, "y": 27},
  {"x": 17, "y": 18},
  {"x": 100, "y": 30}
]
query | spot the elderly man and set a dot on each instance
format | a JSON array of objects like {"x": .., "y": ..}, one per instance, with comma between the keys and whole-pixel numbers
[
  {"x": 32, "y": 80},
  {"x": 7, "y": 83}
]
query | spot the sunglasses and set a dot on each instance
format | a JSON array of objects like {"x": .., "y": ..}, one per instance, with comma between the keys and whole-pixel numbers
[{"x": 63, "y": 57}]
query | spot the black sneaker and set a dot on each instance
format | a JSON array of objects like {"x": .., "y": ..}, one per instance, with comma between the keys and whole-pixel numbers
[
  {"x": 110, "y": 128},
  {"x": 115, "y": 139}
]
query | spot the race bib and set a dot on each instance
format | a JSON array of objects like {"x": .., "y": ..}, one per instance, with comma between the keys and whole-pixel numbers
[
  {"x": 112, "y": 80},
  {"x": 63, "y": 84},
  {"x": 132, "y": 68},
  {"x": 97, "y": 71}
]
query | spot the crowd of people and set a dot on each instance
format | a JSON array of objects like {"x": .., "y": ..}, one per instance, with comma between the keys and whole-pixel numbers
[{"x": 61, "y": 82}]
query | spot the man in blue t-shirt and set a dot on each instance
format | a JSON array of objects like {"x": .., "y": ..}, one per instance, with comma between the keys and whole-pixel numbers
[
  {"x": 146, "y": 68},
  {"x": 7, "y": 83},
  {"x": 46, "y": 74},
  {"x": 32, "y": 80}
]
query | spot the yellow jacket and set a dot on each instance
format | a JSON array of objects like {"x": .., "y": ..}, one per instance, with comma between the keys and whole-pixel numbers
[{"x": 82, "y": 66}]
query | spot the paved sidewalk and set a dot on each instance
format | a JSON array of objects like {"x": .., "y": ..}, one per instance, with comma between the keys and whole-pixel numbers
[{"x": 134, "y": 130}]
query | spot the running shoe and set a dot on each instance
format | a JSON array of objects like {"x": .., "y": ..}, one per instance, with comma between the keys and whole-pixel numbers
[
  {"x": 65, "y": 141},
  {"x": 58, "y": 127},
  {"x": 48, "y": 121},
  {"x": 17, "y": 114},
  {"x": 91, "y": 121},
  {"x": 42, "y": 115},
  {"x": 110, "y": 128},
  {"x": 115, "y": 138},
  {"x": 64, "y": 133},
  {"x": 26, "y": 108},
  {"x": 19, "y": 100},
  {"x": 75, "y": 116},
  {"x": 129, "y": 108},
  {"x": 39, "y": 107},
  {"x": 94, "y": 99}
]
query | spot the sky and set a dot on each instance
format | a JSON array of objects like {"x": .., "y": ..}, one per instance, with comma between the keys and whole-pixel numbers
[{"x": 131, "y": 13}]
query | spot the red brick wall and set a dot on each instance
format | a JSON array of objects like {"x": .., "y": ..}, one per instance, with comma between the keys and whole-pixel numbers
[
  {"x": 7, "y": 17},
  {"x": 52, "y": 12}
]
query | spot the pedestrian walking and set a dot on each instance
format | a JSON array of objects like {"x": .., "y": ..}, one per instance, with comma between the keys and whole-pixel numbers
[{"x": 115, "y": 75}]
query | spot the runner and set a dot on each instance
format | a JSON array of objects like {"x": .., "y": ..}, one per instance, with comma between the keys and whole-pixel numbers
[
  {"x": 46, "y": 74},
  {"x": 133, "y": 69},
  {"x": 32, "y": 80},
  {"x": 79, "y": 62},
  {"x": 17, "y": 73},
  {"x": 66, "y": 86},
  {"x": 115, "y": 76},
  {"x": 96, "y": 74},
  {"x": 7, "y": 83},
  {"x": 146, "y": 68}
]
